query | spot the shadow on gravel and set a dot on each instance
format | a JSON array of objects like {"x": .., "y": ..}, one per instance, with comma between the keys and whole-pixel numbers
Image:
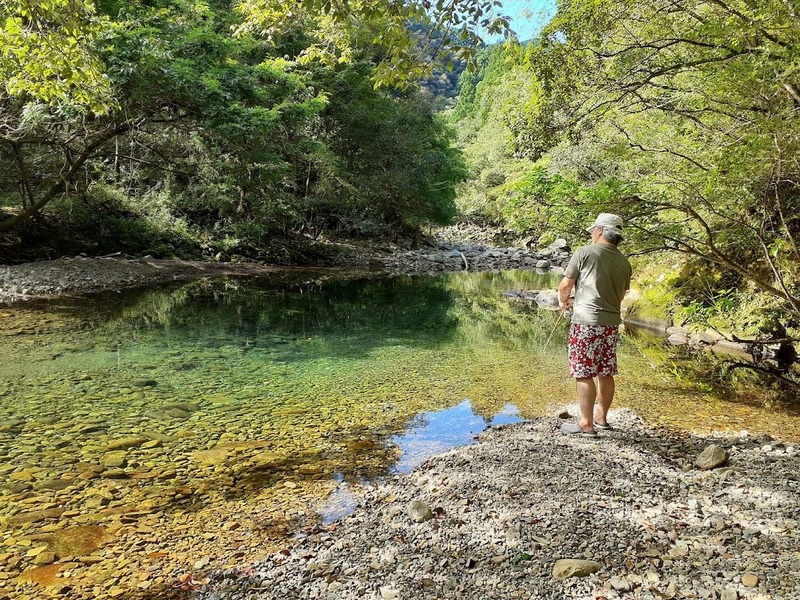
[{"x": 507, "y": 509}]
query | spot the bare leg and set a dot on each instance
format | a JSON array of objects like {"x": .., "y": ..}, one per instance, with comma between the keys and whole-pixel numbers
[
  {"x": 605, "y": 396},
  {"x": 587, "y": 393}
]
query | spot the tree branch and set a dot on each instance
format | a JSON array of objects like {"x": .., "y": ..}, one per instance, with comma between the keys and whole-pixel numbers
[{"x": 59, "y": 186}]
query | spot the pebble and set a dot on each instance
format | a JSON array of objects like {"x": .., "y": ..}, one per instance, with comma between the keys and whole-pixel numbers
[
  {"x": 750, "y": 580},
  {"x": 418, "y": 511},
  {"x": 512, "y": 522}
]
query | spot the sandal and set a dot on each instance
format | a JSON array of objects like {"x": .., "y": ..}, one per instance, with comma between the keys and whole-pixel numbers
[
  {"x": 601, "y": 425},
  {"x": 575, "y": 429}
]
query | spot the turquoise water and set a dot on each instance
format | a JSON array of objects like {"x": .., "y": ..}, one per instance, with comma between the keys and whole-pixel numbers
[{"x": 160, "y": 414}]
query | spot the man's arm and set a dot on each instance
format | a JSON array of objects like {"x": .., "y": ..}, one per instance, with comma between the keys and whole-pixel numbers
[{"x": 564, "y": 290}]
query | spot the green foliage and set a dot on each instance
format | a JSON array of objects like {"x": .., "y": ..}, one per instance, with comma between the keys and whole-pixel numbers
[
  {"x": 699, "y": 110},
  {"x": 340, "y": 31},
  {"x": 681, "y": 116},
  {"x": 235, "y": 135},
  {"x": 45, "y": 53}
]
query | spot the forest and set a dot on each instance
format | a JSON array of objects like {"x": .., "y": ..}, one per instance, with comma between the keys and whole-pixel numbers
[{"x": 218, "y": 128}]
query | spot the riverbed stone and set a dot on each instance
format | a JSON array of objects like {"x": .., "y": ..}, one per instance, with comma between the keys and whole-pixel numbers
[
  {"x": 125, "y": 443},
  {"x": 44, "y": 558},
  {"x": 575, "y": 567},
  {"x": 115, "y": 460},
  {"x": 750, "y": 580},
  {"x": 713, "y": 456},
  {"x": 418, "y": 511},
  {"x": 77, "y": 541},
  {"x": 35, "y": 516},
  {"x": 619, "y": 584},
  {"x": 144, "y": 382}
]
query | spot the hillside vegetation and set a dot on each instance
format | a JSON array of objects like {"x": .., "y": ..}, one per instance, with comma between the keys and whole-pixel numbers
[
  {"x": 215, "y": 126},
  {"x": 682, "y": 116}
]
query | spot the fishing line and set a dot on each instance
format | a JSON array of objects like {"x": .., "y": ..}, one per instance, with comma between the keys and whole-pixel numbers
[{"x": 561, "y": 315}]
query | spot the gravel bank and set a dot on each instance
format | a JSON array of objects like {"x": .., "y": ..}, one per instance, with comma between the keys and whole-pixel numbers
[
  {"x": 85, "y": 275},
  {"x": 504, "y": 510}
]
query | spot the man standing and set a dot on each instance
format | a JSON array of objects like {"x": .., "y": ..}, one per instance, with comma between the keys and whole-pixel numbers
[{"x": 601, "y": 275}]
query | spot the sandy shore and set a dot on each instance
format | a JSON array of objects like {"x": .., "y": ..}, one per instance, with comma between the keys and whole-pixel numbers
[{"x": 491, "y": 520}]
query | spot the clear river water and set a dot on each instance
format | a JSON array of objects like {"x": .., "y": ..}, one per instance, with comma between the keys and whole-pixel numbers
[{"x": 145, "y": 431}]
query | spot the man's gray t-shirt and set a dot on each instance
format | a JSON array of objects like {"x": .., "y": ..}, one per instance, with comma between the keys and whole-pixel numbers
[{"x": 602, "y": 275}]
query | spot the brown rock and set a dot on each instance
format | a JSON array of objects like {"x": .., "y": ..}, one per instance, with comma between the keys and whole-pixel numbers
[
  {"x": 42, "y": 575},
  {"x": 44, "y": 558},
  {"x": 750, "y": 580},
  {"x": 77, "y": 541},
  {"x": 131, "y": 442},
  {"x": 115, "y": 460},
  {"x": 214, "y": 456},
  {"x": 35, "y": 516},
  {"x": 569, "y": 567}
]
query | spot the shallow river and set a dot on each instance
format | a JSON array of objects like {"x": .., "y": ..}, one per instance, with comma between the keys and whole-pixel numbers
[{"x": 145, "y": 434}]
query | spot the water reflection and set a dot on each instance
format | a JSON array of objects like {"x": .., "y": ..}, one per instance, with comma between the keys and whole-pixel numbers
[
  {"x": 435, "y": 432},
  {"x": 428, "y": 434},
  {"x": 234, "y": 408}
]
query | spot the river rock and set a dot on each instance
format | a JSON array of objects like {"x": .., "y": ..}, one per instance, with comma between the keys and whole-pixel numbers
[
  {"x": 547, "y": 299},
  {"x": 54, "y": 484},
  {"x": 131, "y": 442},
  {"x": 418, "y": 511},
  {"x": 143, "y": 382},
  {"x": 729, "y": 594},
  {"x": 713, "y": 456},
  {"x": 620, "y": 584},
  {"x": 750, "y": 580},
  {"x": 389, "y": 593},
  {"x": 571, "y": 567},
  {"x": 678, "y": 339},
  {"x": 115, "y": 460},
  {"x": 35, "y": 516},
  {"x": 44, "y": 558},
  {"x": 77, "y": 541}
]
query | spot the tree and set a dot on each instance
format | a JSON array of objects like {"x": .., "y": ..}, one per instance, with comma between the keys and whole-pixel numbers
[
  {"x": 228, "y": 131},
  {"x": 46, "y": 54},
  {"x": 696, "y": 104},
  {"x": 341, "y": 28}
]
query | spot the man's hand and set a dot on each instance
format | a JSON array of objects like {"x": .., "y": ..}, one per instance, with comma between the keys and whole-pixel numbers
[{"x": 564, "y": 289}]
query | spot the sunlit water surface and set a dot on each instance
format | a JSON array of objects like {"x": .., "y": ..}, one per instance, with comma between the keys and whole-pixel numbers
[{"x": 244, "y": 408}]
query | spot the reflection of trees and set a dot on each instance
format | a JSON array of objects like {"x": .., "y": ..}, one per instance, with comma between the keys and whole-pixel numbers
[{"x": 345, "y": 316}]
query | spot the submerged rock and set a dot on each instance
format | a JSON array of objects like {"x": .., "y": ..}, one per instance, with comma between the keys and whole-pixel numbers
[
  {"x": 143, "y": 382},
  {"x": 77, "y": 541},
  {"x": 131, "y": 442}
]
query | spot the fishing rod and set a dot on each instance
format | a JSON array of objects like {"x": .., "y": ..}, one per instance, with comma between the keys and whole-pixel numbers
[{"x": 561, "y": 315}]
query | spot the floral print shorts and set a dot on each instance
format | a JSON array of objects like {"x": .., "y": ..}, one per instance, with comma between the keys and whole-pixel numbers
[{"x": 592, "y": 350}]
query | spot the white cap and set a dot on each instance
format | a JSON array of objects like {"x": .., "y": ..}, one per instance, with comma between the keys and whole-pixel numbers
[{"x": 608, "y": 221}]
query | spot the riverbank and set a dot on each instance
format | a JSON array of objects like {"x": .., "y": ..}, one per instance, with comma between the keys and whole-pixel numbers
[
  {"x": 496, "y": 520},
  {"x": 79, "y": 275}
]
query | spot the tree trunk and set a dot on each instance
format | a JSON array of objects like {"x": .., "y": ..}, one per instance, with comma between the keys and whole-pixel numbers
[{"x": 60, "y": 186}]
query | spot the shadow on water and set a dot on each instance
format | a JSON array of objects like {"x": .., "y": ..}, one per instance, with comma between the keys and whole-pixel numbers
[{"x": 233, "y": 410}]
